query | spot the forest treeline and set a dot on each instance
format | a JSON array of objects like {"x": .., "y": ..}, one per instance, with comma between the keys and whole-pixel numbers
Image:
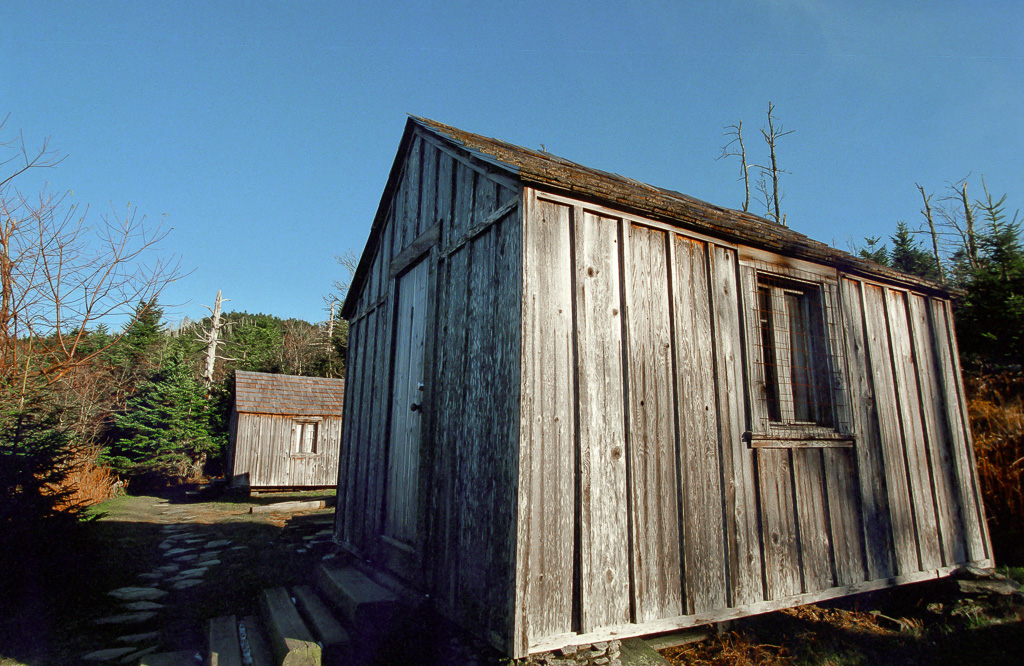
[
  {"x": 137, "y": 411},
  {"x": 973, "y": 247},
  {"x": 87, "y": 406}
]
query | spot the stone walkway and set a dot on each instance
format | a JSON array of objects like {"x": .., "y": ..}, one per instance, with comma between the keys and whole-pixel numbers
[{"x": 187, "y": 560}]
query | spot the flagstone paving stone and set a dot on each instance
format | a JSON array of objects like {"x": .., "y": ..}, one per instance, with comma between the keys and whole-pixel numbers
[
  {"x": 126, "y": 618},
  {"x": 139, "y": 638},
  {"x": 108, "y": 654},
  {"x": 135, "y": 656},
  {"x": 185, "y": 584},
  {"x": 142, "y": 606},
  {"x": 137, "y": 593}
]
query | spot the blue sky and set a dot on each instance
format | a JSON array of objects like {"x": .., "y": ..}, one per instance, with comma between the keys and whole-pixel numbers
[{"x": 262, "y": 132}]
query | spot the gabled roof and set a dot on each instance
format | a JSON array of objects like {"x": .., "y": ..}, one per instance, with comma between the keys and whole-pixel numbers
[
  {"x": 288, "y": 395},
  {"x": 550, "y": 172}
]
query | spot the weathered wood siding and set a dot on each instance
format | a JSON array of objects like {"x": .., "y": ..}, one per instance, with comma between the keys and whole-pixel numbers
[
  {"x": 642, "y": 505},
  {"x": 263, "y": 452},
  {"x": 463, "y": 217}
]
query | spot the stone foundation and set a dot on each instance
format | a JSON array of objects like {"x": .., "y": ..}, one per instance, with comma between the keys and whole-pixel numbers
[{"x": 604, "y": 653}]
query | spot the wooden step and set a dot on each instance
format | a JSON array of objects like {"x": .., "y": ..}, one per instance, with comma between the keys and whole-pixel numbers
[
  {"x": 319, "y": 618},
  {"x": 362, "y": 602},
  {"x": 224, "y": 647},
  {"x": 293, "y": 643},
  {"x": 179, "y": 658},
  {"x": 256, "y": 637}
]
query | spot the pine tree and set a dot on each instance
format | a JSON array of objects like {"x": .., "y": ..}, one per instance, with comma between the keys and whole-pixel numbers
[
  {"x": 874, "y": 252},
  {"x": 169, "y": 428},
  {"x": 908, "y": 256},
  {"x": 990, "y": 318}
]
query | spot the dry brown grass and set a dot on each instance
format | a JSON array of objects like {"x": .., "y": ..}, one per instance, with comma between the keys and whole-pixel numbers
[
  {"x": 728, "y": 650},
  {"x": 995, "y": 403},
  {"x": 87, "y": 483}
]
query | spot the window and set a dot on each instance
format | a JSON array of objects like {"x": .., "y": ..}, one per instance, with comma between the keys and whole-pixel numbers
[
  {"x": 797, "y": 380},
  {"x": 304, "y": 436}
]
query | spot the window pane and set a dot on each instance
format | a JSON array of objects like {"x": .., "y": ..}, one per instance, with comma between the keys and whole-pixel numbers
[
  {"x": 800, "y": 353},
  {"x": 768, "y": 356}
]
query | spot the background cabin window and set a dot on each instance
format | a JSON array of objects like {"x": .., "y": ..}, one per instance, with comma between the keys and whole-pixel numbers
[
  {"x": 798, "y": 360},
  {"x": 304, "y": 436}
]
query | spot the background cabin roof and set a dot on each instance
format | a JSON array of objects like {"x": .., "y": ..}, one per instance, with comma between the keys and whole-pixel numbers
[
  {"x": 288, "y": 395},
  {"x": 550, "y": 172}
]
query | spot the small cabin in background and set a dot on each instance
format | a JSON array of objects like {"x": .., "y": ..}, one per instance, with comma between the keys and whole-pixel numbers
[
  {"x": 285, "y": 431},
  {"x": 582, "y": 408}
]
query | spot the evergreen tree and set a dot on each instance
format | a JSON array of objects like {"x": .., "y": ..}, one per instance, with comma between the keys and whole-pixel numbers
[
  {"x": 990, "y": 318},
  {"x": 137, "y": 351},
  {"x": 874, "y": 252},
  {"x": 908, "y": 256},
  {"x": 169, "y": 427}
]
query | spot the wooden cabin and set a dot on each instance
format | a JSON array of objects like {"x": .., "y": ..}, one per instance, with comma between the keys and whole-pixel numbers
[
  {"x": 583, "y": 408},
  {"x": 284, "y": 431}
]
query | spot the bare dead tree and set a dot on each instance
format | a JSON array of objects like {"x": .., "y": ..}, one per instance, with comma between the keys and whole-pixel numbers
[
  {"x": 736, "y": 132},
  {"x": 212, "y": 339},
  {"x": 59, "y": 276},
  {"x": 348, "y": 261},
  {"x": 927, "y": 212},
  {"x": 972, "y": 239},
  {"x": 771, "y": 136},
  {"x": 958, "y": 217}
]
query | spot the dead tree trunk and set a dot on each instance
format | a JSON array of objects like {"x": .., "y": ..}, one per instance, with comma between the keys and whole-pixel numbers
[
  {"x": 972, "y": 245},
  {"x": 736, "y": 131},
  {"x": 927, "y": 211},
  {"x": 212, "y": 340},
  {"x": 771, "y": 136}
]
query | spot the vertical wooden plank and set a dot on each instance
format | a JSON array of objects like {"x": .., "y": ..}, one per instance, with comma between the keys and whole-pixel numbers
[
  {"x": 657, "y": 562},
  {"x": 452, "y": 349},
  {"x": 936, "y": 434},
  {"x": 464, "y": 192},
  {"x": 844, "y": 514},
  {"x": 428, "y": 190},
  {"x": 445, "y": 195},
  {"x": 507, "y": 354},
  {"x": 962, "y": 454},
  {"x": 877, "y": 525},
  {"x": 778, "y": 517},
  {"x": 900, "y": 507},
  {"x": 547, "y": 419},
  {"x": 485, "y": 198},
  {"x": 703, "y": 528},
  {"x": 915, "y": 447},
  {"x": 372, "y": 426},
  {"x": 743, "y": 543},
  {"x": 454, "y": 360},
  {"x": 604, "y": 538},
  {"x": 476, "y": 454},
  {"x": 347, "y": 483},
  {"x": 407, "y": 216},
  {"x": 812, "y": 519}
]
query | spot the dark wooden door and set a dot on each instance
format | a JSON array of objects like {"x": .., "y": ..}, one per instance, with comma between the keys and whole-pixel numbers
[{"x": 401, "y": 524}]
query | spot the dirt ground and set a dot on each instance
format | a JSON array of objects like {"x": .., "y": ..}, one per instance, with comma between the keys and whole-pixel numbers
[
  {"x": 53, "y": 621},
  {"x": 925, "y": 623},
  {"x": 56, "y": 619}
]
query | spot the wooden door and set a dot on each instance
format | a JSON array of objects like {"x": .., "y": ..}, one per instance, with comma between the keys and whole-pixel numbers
[{"x": 401, "y": 525}]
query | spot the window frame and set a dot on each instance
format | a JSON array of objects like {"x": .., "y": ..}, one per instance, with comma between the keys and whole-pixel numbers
[
  {"x": 822, "y": 286},
  {"x": 298, "y": 426}
]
